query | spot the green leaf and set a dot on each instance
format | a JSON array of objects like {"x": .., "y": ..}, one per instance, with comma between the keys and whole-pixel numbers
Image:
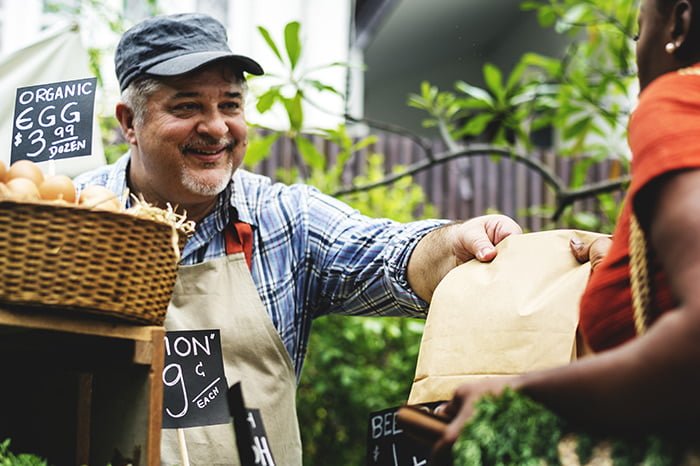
[
  {"x": 319, "y": 86},
  {"x": 579, "y": 172},
  {"x": 575, "y": 130},
  {"x": 267, "y": 100},
  {"x": 294, "y": 111},
  {"x": 586, "y": 221},
  {"x": 416, "y": 101},
  {"x": 473, "y": 104},
  {"x": 522, "y": 97},
  {"x": 271, "y": 43},
  {"x": 429, "y": 92},
  {"x": 550, "y": 65},
  {"x": 541, "y": 122},
  {"x": 475, "y": 92},
  {"x": 528, "y": 5},
  {"x": 516, "y": 75},
  {"x": 292, "y": 42},
  {"x": 259, "y": 149},
  {"x": 562, "y": 26},
  {"x": 476, "y": 125},
  {"x": 494, "y": 80},
  {"x": 313, "y": 158},
  {"x": 577, "y": 13},
  {"x": 546, "y": 16},
  {"x": 366, "y": 142}
]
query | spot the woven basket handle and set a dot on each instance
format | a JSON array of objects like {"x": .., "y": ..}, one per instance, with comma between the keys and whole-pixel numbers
[{"x": 639, "y": 276}]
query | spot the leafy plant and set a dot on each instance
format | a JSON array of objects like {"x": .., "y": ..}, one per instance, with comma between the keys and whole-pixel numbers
[
  {"x": 585, "y": 97},
  {"x": 513, "y": 429},
  {"x": 292, "y": 89},
  {"x": 500, "y": 113},
  {"x": 7, "y": 458},
  {"x": 355, "y": 365}
]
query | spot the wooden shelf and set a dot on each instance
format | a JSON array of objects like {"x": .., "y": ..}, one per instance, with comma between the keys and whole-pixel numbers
[{"x": 78, "y": 389}]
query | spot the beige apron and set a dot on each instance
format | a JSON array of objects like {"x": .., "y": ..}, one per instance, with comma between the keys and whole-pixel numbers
[{"x": 220, "y": 294}]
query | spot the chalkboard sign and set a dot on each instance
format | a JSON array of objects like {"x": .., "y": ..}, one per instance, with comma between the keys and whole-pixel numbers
[
  {"x": 53, "y": 121},
  {"x": 388, "y": 445},
  {"x": 251, "y": 439},
  {"x": 194, "y": 384}
]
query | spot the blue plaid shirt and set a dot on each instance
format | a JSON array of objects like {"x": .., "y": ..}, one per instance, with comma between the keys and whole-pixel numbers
[{"x": 312, "y": 254}]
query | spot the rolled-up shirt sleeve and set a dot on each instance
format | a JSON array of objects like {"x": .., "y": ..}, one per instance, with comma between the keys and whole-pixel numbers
[{"x": 359, "y": 264}]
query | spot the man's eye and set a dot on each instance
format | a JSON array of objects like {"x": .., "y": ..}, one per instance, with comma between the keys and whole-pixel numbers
[
  {"x": 231, "y": 105},
  {"x": 185, "y": 107}
]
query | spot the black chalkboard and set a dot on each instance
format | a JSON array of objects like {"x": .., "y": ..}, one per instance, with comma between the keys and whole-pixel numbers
[
  {"x": 261, "y": 444},
  {"x": 389, "y": 445},
  {"x": 53, "y": 121},
  {"x": 251, "y": 439},
  {"x": 194, "y": 384}
]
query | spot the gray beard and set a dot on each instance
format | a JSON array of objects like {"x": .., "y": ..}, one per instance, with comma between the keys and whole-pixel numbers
[{"x": 207, "y": 189}]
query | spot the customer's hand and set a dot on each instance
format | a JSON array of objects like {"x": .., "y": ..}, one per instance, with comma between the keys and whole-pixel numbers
[
  {"x": 593, "y": 251},
  {"x": 460, "y": 409}
]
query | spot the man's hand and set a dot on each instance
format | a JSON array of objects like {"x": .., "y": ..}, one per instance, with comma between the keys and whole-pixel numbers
[
  {"x": 443, "y": 249},
  {"x": 477, "y": 237}
]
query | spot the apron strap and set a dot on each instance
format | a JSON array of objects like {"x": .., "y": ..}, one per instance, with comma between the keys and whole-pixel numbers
[{"x": 239, "y": 238}]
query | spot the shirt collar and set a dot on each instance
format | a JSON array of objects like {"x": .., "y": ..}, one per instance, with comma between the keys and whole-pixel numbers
[
  {"x": 233, "y": 194},
  {"x": 116, "y": 180},
  {"x": 239, "y": 202}
]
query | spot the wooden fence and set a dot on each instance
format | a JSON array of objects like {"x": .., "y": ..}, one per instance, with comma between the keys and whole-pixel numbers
[{"x": 464, "y": 187}]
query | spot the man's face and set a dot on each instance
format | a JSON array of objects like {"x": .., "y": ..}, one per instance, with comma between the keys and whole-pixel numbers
[{"x": 192, "y": 138}]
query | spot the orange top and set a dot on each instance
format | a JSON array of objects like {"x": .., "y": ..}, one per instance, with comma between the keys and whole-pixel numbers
[{"x": 664, "y": 135}]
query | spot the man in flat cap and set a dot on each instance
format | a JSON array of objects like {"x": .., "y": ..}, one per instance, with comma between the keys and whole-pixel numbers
[{"x": 266, "y": 258}]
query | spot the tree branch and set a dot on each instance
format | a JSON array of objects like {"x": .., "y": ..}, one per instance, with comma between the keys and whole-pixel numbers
[
  {"x": 564, "y": 196},
  {"x": 469, "y": 151},
  {"x": 420, "y": 142}
]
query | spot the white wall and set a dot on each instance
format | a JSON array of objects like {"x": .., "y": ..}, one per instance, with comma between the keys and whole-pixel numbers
[
  {"x": 20, "y": 21},
  {"x": 325, "y": 30},
  {"x": 325, "y": 33}
]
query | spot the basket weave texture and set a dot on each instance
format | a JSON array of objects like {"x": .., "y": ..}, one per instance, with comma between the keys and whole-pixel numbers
[{"x": 109, "y": 263}]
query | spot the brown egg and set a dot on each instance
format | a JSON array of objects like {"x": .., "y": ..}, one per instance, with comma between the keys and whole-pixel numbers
[
  {"x": 57, "y": 188},
  {"x": 22, "y": 189},
  {"x": 3, "y": 171},
  {"x": 100, "y": 198},
  {"x": 4, "y": 191},
  {"x": 25, "y": 169}
]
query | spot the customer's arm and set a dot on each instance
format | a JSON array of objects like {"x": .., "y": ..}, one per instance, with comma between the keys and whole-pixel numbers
[{"x": 653, "y": 380}]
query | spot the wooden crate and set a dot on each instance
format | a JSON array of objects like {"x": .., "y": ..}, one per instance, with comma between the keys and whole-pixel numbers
[{"x": 80, "y": 390}]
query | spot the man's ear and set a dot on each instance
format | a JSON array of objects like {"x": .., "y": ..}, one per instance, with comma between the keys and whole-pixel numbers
[{"x": 125, "y": 116}]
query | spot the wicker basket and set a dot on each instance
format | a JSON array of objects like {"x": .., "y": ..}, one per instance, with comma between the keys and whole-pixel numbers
[{"x": 65, "y": 257}]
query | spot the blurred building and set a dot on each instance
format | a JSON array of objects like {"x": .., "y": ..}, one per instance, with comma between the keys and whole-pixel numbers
[{"x": 393, "y": 45}]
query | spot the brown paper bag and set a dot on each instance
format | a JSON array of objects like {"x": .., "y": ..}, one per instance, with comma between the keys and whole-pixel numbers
[{"x": 516, "y": 314}]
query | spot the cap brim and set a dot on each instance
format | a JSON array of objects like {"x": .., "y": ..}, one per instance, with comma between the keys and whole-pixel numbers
[{"x": 186, "y": 63}]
